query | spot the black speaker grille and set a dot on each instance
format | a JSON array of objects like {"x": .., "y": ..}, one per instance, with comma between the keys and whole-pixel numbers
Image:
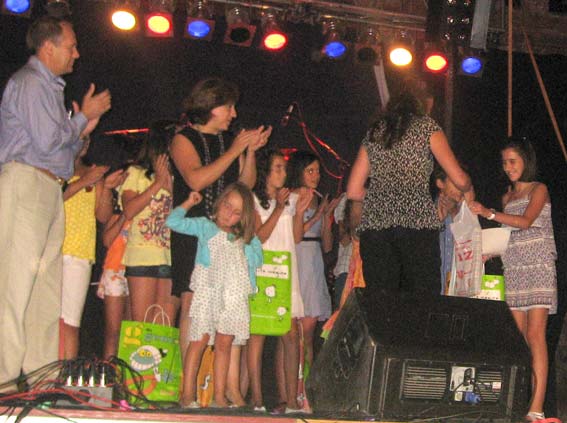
[
  {"x": 489, "y": 383},
  {"x": 424, "y": 383}
]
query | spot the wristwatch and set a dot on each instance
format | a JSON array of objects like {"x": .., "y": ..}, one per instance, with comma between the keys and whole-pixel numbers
[{"x": 492, "y": 215}]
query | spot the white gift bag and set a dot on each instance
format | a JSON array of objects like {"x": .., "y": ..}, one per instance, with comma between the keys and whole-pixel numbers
[{"x": 466, "y": 273}]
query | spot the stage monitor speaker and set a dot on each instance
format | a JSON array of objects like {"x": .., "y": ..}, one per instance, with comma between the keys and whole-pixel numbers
[{"x": 401, "y": 356}]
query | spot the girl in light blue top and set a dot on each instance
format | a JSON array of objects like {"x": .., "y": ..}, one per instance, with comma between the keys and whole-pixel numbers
[{"x": 228, "y": 254}]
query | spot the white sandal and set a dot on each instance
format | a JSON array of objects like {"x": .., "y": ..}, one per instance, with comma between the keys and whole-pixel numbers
[
  {"x": 534, "y": 416},
  {"x": 191, "y": 406}
]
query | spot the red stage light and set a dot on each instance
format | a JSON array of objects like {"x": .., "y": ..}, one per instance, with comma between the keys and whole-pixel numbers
[
  {"x": 275, "y": 41},
  {"x": 159, "y": 25},
  {"x": 274, "y": 38},
  {"x": 435, "y": 62}
]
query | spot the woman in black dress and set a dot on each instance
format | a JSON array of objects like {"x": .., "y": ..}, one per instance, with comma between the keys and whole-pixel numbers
[{"x": 207, "y": 158}]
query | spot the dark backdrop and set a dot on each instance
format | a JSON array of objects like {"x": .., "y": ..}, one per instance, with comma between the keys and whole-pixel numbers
[{"x": 149, "y": 77}]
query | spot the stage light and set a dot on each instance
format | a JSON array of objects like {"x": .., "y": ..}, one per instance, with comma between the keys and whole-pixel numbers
[
  {"x": 200, "y": 29},
  {"x": 471, "y": 66},
  {"x": 367, "y": 49},
  {"x": 239, "y": 31},
  {"x": 456, "y": 21},
  {"x": 123, "y": 15},
  {"x": 58, "y": 8},
  {"x": 334, "y": 47},
  {"x": 159, "y": 25},
  {"x": 400, "y": 51},
  {"x": 17, "y": 7},
  {"x": 401, "y": 56},
  {"x": 274, "y": 39},
  {"x": 199, "y": 25},
  {"x": 435, "y": 60},
  {"x": 159, "y": 20},
  {"x": 124, "y": 20}
]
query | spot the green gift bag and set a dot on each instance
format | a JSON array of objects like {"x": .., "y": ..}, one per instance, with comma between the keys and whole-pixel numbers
[
  {"x": 493, "y": 287},
  {"x": 153, "y": 351},
  {"x": 270, "y": 306}
]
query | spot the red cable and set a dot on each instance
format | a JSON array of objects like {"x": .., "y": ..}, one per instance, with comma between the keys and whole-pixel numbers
[{"x": 307, "y": 133}]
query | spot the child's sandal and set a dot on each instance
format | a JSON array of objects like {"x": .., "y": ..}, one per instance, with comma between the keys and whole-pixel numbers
[
  {"x": 191, "y": 406},
  {"x": 534, "y": 416}
]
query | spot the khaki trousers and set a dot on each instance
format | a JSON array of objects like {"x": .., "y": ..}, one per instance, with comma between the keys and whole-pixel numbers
[{"x": 32, "y": 227}]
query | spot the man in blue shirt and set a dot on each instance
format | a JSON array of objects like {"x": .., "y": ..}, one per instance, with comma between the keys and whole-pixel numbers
[{"x": 38, "y": 143}]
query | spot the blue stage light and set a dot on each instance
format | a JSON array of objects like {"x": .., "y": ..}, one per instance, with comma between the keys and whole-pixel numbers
[
  {"x": 471, "y": 65},
  {"x": 198, "y": 29},
  {"x": 17, "y": 7},
  {"x": 334, "y": 49}
]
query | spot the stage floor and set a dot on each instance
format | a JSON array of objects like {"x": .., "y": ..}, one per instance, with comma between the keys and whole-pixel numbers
[{"x": 58, "y": 415}]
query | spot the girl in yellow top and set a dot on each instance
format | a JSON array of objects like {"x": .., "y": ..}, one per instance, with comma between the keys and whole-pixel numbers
[
  {"x": 87, "y": 198},
  {"x": 146, "y": 201}
]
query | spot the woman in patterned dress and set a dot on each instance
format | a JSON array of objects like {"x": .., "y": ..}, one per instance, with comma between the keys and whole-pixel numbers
[
  {"x": 399, "y": 230},
  {"x": 529, "y": 261}
]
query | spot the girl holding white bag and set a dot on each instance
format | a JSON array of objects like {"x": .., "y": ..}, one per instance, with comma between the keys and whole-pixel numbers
[{"x": 529, "y": 261}]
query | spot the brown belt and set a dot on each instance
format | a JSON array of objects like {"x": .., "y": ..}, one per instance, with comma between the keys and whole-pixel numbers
[{"x": 57, "y": 179}]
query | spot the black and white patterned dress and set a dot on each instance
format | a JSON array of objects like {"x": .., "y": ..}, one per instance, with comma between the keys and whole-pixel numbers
[
  {"x": 398, "y": 194},
  {"x": 529, "y": 261},
  {"x": 399, "y": 230}
]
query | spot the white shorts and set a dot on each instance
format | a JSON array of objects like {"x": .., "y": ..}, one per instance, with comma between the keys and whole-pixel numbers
[
  {"x": 76, "y": 280},
  {"x": 112, "y": 284}
]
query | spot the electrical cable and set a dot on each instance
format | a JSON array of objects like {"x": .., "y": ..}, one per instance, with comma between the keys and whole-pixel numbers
[
  {"x": 310, "y": 136},
  {"x": 53, "y": 381}
]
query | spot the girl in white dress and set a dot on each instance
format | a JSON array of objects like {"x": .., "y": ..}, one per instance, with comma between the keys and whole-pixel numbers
[
  {"x": 224, "y": 276},
  {"x": 279, "y": 226}
]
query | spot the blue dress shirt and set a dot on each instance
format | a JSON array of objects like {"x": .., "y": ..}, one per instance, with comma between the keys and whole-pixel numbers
[{"x": 35, "y": 128}]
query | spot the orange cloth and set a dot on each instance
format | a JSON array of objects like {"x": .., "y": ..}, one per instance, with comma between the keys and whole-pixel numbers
[
  {"x": 113, "y": 260},
  {"x": 355, "y": 279}
]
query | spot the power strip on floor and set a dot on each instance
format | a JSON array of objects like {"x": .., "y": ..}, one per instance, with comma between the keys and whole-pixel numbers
[{"x": 86, "y": 396}]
